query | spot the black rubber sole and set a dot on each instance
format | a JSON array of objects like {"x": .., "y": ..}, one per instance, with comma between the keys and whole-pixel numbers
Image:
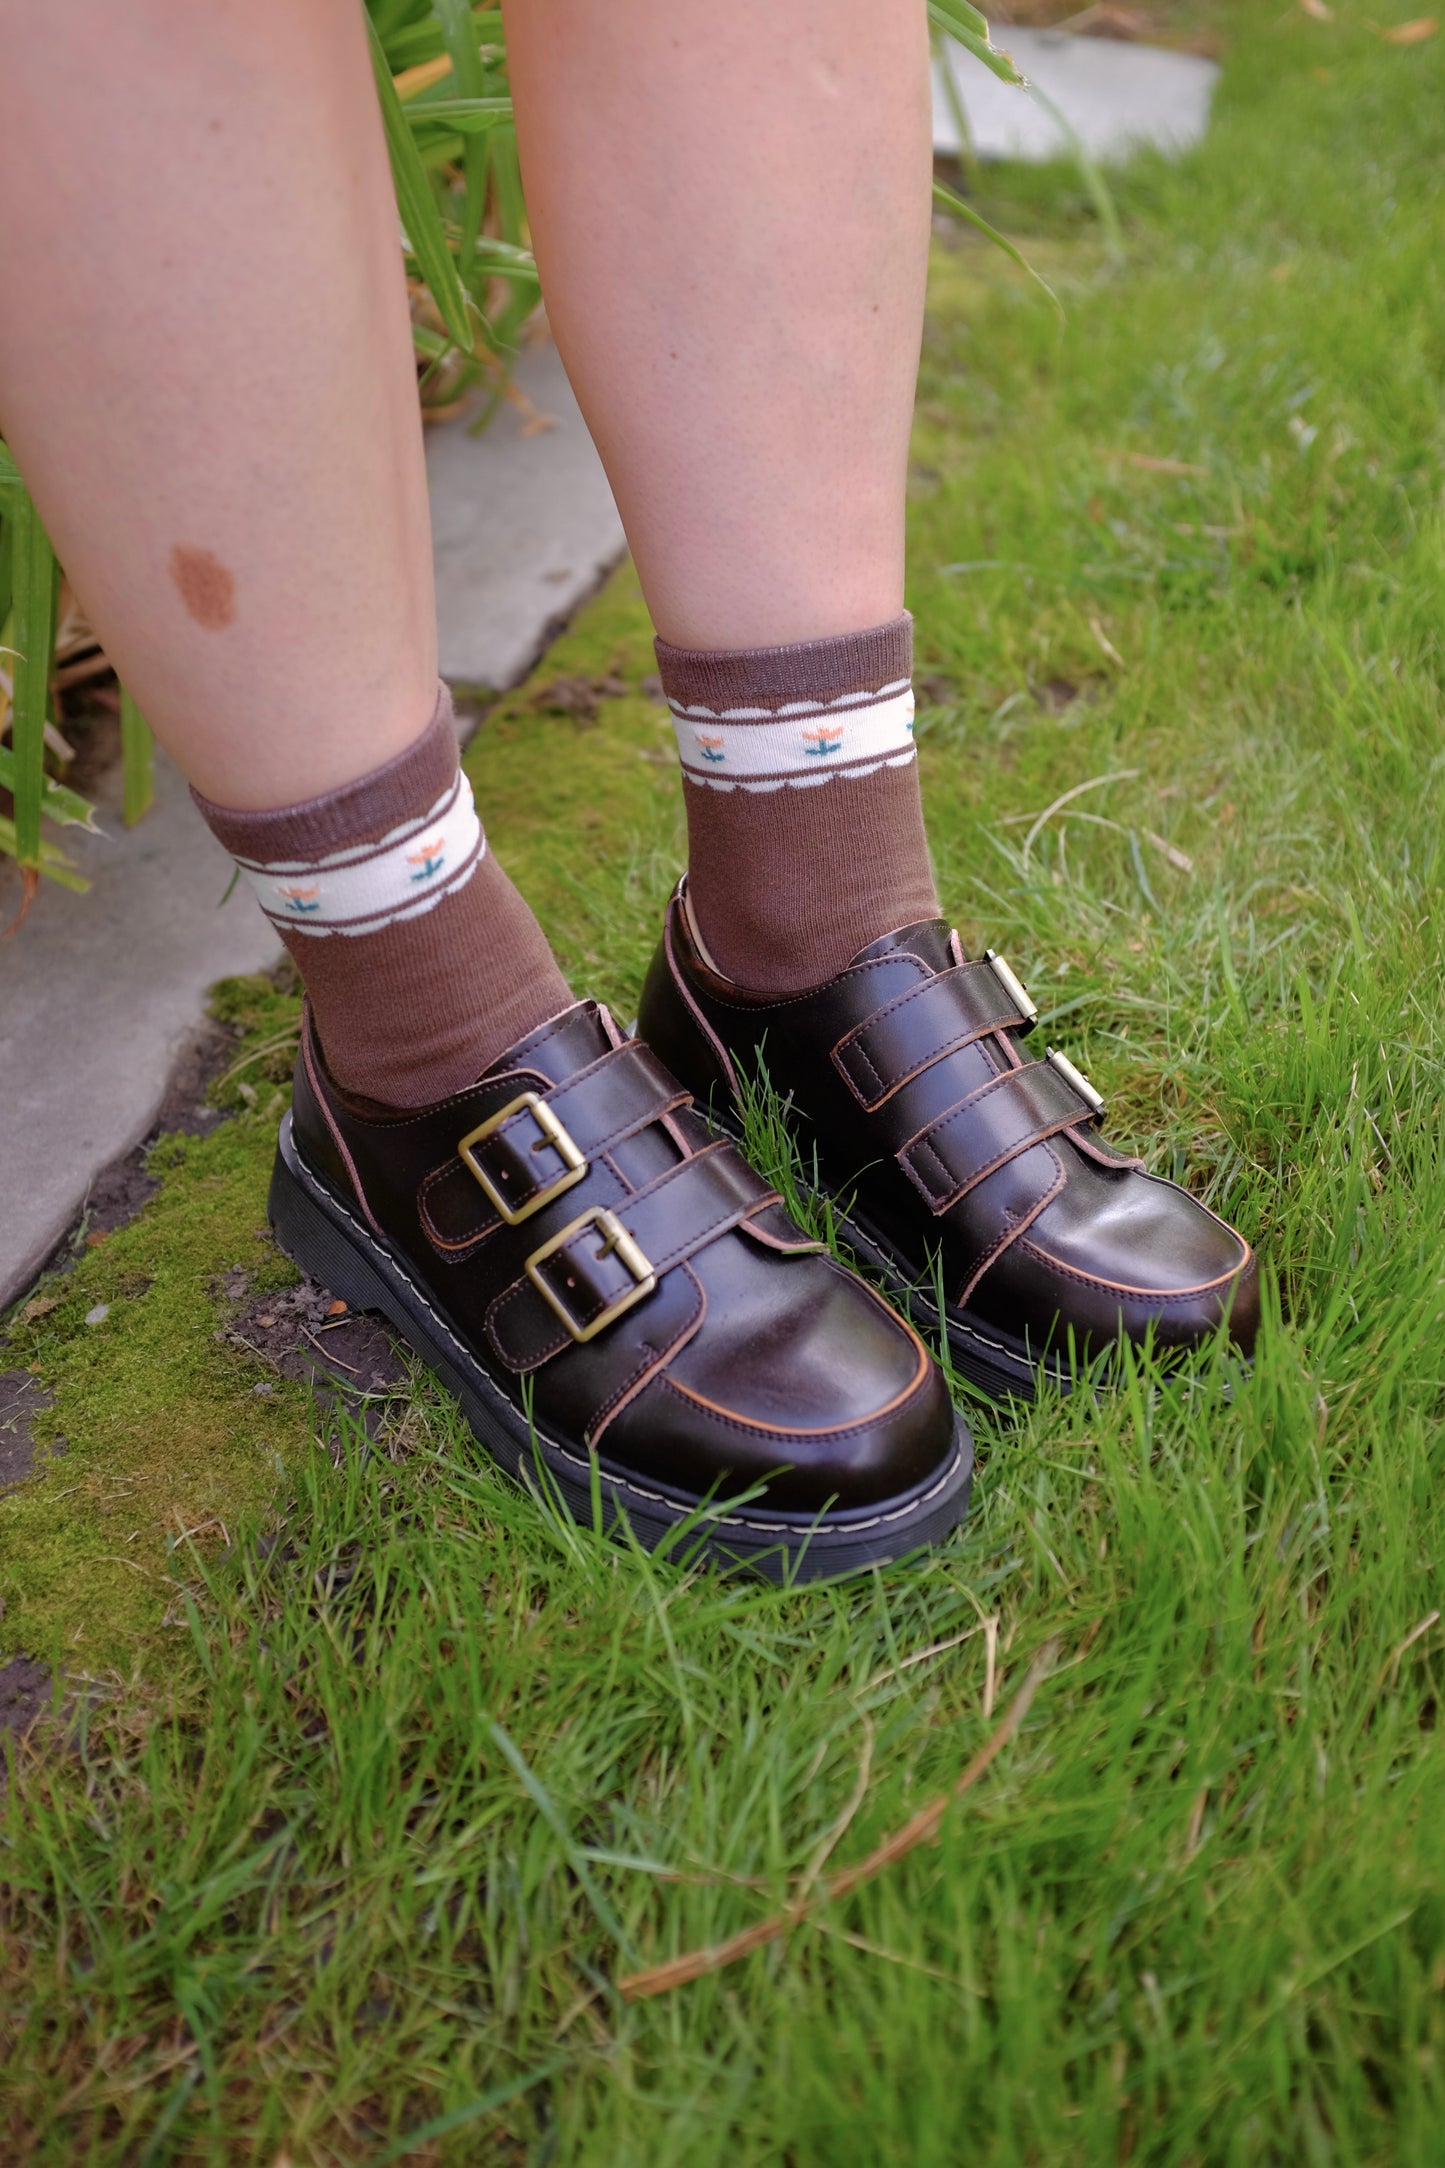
[{"x": 319, "y": 1232}]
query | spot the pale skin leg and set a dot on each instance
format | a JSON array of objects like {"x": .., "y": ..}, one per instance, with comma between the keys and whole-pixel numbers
[
  {"x": 206, "y": 375},
  {"x": 730, "y": 208}
]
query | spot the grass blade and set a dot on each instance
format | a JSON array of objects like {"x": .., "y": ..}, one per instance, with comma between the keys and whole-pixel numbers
[
  {"x": 952, "y": 201},
  {"x": 441, "y": 2126}
]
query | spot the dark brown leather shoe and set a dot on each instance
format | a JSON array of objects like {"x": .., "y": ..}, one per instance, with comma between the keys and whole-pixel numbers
[
  {"x": 612, "y": 1293},
  {"x": 958, "y": 1163}
]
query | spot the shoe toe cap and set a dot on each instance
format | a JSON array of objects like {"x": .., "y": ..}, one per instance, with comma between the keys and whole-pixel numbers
[
  {"x": 1135, "y": 1254},
  {"x": 807, "y": 1379}
]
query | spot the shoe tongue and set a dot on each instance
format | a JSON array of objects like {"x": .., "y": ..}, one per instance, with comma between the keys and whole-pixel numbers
[
  {"x": 560, "y": 1047},
  {"x": 930, "y": 941}
]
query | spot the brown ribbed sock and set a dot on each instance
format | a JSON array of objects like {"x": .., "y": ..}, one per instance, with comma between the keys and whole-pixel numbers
[
  {"x": 422, "y": 962},
  {"x": 804, "y": 826}
]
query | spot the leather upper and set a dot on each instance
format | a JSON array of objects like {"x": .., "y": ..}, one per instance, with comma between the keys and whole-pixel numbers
[
  {"x": 948, "y": 1134},
  {"x": 610, "y": 1261}
]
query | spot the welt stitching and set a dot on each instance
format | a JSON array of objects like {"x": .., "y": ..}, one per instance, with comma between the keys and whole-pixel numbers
[{"x": 1123, "y": 1287}]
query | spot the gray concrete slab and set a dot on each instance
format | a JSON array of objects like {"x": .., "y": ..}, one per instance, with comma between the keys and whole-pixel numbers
[
  {"x": 523, "y": 527},
  {"x": 97, "y": 994},
  {"x": 1116, "y": 97}
]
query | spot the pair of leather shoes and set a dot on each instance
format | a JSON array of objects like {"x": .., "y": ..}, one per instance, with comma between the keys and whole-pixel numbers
[{"x": 629, "y": 1317}]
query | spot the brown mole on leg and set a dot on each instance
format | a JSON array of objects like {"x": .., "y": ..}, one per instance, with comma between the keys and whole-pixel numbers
[{"x": 205, "y": 585}]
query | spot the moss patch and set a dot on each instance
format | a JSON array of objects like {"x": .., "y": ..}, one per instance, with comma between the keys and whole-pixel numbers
[{"x": 154, "y": 1429}]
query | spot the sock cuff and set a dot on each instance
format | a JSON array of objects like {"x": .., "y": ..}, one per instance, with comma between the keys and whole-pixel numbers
[
  {"x": 815, "y": 671},
  {"x": 360, "y": 812}
]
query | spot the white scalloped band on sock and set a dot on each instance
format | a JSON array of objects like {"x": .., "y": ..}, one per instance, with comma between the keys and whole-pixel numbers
[
  {"x": 799, "y": 745},
  {"x": 357, "y": 891}
]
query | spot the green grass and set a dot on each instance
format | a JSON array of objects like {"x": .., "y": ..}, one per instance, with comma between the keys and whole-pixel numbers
[{"x": 363, "y": 1845}]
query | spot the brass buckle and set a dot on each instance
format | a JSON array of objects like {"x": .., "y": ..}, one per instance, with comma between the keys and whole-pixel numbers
[
  {"x": 616, "y": 1239},
  {"x": 553, "y": 1134},
  {"x": 1076, "y": 1079},
  {"x": 1013, "y": 986}
]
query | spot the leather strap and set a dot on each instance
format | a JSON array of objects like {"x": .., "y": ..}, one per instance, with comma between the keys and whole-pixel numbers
[
  {"x": 615, "y": 1096},
  {"x": 670, "y": 1219},
  {"x": 919, "y": 1027},
  {"x": 992, "y": 1125}
]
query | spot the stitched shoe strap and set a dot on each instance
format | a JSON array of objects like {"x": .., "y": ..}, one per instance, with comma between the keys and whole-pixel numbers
[
  {"x": 994, "y": 1124},
  {"x": 919, "y": 1027},
  {"x": 611, "y": 1257}
]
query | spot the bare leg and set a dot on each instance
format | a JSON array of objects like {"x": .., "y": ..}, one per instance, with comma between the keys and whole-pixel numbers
[
  {"x": 206, "y": 375},
  {"x": 730, "y": 208}
]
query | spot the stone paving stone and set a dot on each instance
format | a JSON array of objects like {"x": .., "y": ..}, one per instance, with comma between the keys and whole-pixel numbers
[
  {"x": 1116, "y": 97},
  {"x": 523, "y": 528},
  {"x": 97, "y": 995}
]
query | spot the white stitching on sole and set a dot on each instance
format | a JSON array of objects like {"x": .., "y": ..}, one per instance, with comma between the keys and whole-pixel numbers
[{"x": 669, "y": 1506}]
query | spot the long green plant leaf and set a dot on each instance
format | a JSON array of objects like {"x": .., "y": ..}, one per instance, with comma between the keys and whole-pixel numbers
[
  {"x": 1099, "y": 192},
  {"x": 952, "y": 201},
  {"x": 425, "y": 233},
  {"x": 9, "y": 472},
  {"x": 424, "y": 41},
  {"x": 51, "y": 861},
  {"x": 460, "y": 116},
  {"x": 970, "y": 30},
  {"x": 471, "y": 113},
  {"x": 65, "y": 807},
  {"x": 137, "y": 761},
  {"x": 33, "y": 592}
]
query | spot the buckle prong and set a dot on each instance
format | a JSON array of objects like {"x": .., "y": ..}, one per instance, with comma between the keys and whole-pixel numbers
[
  {"x": 1013, "y": 986},
  {"x": 1093, "y": 1100},
  {"x": 554, "y": 1138},
  {"x": 618, "y": 1242}
]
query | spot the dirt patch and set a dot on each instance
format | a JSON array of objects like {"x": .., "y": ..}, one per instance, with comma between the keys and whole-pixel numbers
[
  {"x": 26, "y": 1696},
  {"x": 308, "y": 1334},
  {"x": 22, "y": 1398}
]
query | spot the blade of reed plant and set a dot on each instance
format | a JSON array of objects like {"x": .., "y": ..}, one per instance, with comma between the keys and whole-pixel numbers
[
  {"x": 969, "y": 28},
  {"x": 425, "y": 233},
  {"x": 65, "y": 807},
  {"x": 463, "y": 44},
  {"x": 34, "y": 589},
  {"x": 945, "y": 195},
  {"x": 137, "y": 761},
  {"x": 1099, "y": 192},
  {"x": 53, "y": 864}
]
